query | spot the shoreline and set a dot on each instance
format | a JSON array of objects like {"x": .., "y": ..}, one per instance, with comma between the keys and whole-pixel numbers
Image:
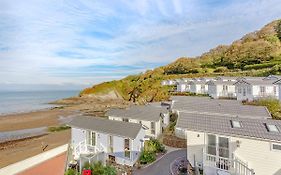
[{"x": 16, "y": 150}]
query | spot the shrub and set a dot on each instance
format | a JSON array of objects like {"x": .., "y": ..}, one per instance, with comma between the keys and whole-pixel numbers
[
  {"x": 154, "y": 146},
  {"x": 99, "y": 169},
  {"x": 221, "y": 69},
  {"x": 71, "y": 172},
  {"x": 147, "y": 157},
  {"x": 58, "y": 128}
]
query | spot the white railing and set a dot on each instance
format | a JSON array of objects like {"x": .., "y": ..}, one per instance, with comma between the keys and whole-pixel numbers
[
  {"x": 227, "y": 94},
  {"x": 235, "y": 167},
  {"x": 217, "y": 162},
  {"x": 241, "y": 168},
  {"x": 83, "y": 148}
]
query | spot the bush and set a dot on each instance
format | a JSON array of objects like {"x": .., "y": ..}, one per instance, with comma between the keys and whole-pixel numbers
[
  {"x": 71, "y": 172},
  {"x": 221, "y": 69},
  {"x": 58, "y": 128},
  {"x": 154, "y": 146},
  {"x": 147, "y": 157},
  {"x": 98, "y": 169}
]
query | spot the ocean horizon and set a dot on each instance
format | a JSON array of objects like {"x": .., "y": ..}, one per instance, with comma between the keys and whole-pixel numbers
[{"x": 12, "y": 102}]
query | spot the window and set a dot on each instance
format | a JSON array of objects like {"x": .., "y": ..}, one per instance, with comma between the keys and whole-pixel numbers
[
  {"x": 275, "y": 90},
  {"x": 125, "y": 120},
  {"x": 239, "y": 90},
  {"x": 249, "y": 90},
  {"x": 244, "y": 91},
  {"x": 271, "y": 128},
  {"x": 262, "y": 89},
  {"x": 127, "y": 148},
  {"x": 225, "y": 87},
  {"x": 276, "y": 147},
  {"x": 152, "y": 128},
  {"x": 223, "y": 147},
  {"x": 91, "y": 138},
  {"x": 110, "y": 140},
  {"x": 235, "y": 124},
  {"x": 211, "y": 144}
]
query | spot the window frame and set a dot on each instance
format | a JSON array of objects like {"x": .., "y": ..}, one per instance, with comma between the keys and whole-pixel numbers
[{"x": 275, "y": 150}]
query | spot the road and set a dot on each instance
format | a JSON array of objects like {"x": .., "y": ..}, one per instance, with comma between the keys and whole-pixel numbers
[{"x": 161, "y": 167}]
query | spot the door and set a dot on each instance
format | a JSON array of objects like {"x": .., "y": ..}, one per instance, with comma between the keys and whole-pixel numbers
[{"x": 91, "y": 138}]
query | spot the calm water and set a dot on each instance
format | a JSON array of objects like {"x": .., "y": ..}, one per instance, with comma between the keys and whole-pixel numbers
[{"x": 16, "y": 102}]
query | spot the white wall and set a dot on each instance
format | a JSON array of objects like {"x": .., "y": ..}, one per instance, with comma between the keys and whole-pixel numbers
[
  {"x": 259, "y": 155},
  {"x": 102, "y": 142},
  {"x": 77, "y": 136},
  {"x": 255, "y": 92},
  {"x": 195, "y": 146}
]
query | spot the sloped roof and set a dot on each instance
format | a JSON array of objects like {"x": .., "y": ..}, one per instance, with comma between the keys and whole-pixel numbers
[
  {"x": 220, "y": 82},
  {"x": 206, "y": 105},
  {"x": 251, "y": 128},
  {"x": 256, "y": 82},
  {"x": 118, "y": 128},
  {"x": 140, "y": 112}
]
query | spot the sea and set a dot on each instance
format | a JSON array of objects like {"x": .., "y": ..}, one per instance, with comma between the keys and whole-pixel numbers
[{"x": 26, "y": 101}]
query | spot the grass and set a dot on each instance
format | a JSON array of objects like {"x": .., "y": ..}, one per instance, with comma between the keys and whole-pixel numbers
[{"x": 58, "y": 128}]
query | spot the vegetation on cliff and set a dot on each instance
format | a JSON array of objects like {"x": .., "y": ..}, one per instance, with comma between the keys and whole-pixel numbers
[{"x": 256, "y": 54}]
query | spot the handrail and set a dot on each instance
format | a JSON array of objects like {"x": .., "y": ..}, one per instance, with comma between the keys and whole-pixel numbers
[{"x": 236, "y": 166}]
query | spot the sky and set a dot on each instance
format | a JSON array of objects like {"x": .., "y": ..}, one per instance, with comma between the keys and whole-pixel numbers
[{"x": 71, "y": 44}]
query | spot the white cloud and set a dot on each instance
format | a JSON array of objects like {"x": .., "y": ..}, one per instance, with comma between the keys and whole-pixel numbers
[{"x": 38, "y": 37}]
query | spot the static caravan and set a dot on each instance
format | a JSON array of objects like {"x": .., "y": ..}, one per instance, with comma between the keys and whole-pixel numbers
[
  {"x": 97, "y": 139},
  {"x": 154, "y": 118},
  {"x": 232, "y": 145}
]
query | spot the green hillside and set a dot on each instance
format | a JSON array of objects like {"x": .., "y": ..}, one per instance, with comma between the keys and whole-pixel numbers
[{"x": 256, "y": 54}]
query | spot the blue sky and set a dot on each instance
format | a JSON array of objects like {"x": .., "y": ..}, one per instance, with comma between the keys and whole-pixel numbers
[{"x": 78, "y": 43}]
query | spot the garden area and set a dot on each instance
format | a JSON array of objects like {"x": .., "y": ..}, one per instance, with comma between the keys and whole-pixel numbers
[
  {"x": 153, "y": 149},
  {"x": 169, "y": 137},
  {"x": 96, "y": 169}
]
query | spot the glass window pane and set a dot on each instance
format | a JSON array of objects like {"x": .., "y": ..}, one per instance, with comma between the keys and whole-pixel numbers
[
  {"x": 223, "y": 147},
  {"x": 211, "y": 149}
]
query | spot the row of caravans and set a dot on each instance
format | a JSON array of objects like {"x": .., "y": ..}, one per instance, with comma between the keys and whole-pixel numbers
[{"x": 240, "y": 88}]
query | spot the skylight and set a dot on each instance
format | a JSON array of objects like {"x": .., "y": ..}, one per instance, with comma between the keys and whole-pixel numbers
[
  {"x": 271, "y": 128},
  {"x": 235, "y": 124}
]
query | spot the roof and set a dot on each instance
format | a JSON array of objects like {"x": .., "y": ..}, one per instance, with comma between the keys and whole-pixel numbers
[
  {"x": 226, "y": 78},
  {"x": 144, "y": 112},
  {"x": 220, "y": 82},
  {"x": 222, "y": 125},
  {"x": 206, "y": 105},
  {"x": 197, "y": 82},
  {"x": 256, "y": 81},
  {"x": 118, "y": 128}
]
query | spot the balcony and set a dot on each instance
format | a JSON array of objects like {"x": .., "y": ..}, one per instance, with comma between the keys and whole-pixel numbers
[
  {"x": 84, "y": 148},
  {"x": 220, "y": 165}
]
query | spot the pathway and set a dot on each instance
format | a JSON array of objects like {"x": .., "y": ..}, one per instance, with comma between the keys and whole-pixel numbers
[{"x": 162, "y": 166}]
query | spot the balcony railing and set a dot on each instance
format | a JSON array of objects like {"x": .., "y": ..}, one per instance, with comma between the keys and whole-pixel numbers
[
  {"x": 84, "y": 148},
  {"x": 233, "y": 166}
]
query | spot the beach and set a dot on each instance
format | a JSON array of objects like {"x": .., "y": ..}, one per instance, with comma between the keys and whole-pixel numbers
[{"x": 22, "y": 148}]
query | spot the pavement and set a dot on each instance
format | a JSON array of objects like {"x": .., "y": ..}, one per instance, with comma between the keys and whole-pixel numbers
[
  {"x": 162, "y": 166},
  {"x": 53, "y": 166},
  {"x": 35, "y": 161}
]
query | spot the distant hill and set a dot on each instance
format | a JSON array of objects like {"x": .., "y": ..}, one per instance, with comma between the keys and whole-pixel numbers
[{"x": 256, "y": 54}]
